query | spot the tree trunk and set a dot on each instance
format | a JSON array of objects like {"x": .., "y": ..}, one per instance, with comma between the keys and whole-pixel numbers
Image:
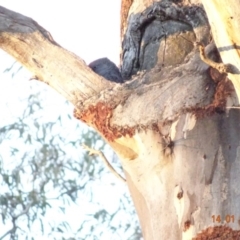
[
  {"x": 172, "y": 125},
  {"x": 184, "y": 181}
]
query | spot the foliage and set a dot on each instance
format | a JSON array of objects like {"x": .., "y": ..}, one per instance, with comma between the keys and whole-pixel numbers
[{"x": 50, "y": 188}]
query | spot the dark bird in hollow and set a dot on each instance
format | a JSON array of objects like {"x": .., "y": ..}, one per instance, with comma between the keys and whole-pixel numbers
[{"x": 107, "y": 69}]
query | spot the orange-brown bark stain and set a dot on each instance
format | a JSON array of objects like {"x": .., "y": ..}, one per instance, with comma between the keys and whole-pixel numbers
[{"x": 99, "y": 116}]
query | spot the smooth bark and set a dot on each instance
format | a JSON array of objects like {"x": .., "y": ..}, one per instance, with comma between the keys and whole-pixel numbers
[{"x": 224, "y": 18}]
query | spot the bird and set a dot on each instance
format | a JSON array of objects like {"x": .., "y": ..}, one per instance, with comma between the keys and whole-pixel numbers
[{"x": 107, "y": 69}]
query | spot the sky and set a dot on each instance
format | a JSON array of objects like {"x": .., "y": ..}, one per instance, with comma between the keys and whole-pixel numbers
[
  {"x": 86, "y": 28},
  {"x": 89, "y": 28}
]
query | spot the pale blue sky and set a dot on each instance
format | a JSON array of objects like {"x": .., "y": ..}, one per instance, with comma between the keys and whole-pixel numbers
[{"x": 89, "y": 28}]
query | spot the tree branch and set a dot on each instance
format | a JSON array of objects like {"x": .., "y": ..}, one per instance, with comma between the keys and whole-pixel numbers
[
  {"x": 34, "y": 48},
  {"x": 8, "y": 232},
  {"x": 221, "y": 67},
  {"x": 14, "y": 218},
  {"x": 106, "y": 162}
]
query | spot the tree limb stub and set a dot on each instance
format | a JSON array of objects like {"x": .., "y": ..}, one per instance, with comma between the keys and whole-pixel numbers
[
  {"x": 35, "y": 49},
  {"x": 171, "y": 19}
]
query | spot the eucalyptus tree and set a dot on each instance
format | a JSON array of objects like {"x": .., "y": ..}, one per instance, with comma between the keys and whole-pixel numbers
[{"x": 174, "y": 123}]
